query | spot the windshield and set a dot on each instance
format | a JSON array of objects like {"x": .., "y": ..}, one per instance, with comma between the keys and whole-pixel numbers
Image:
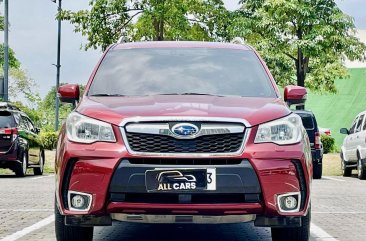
[
  {"x": 6, "y": 120},
  {"x": 307, "y": 121},
  {"x": 156, "y": 71}
]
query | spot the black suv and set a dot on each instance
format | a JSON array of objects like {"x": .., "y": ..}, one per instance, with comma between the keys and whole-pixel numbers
[
  {"x": 20, "y": 145},
  {"x": 311, "y": 126}
]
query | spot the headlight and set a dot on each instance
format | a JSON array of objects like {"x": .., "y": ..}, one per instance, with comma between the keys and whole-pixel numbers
[
  {"x": 284, "y": 131},
  {"x": 83, "y": 129}
]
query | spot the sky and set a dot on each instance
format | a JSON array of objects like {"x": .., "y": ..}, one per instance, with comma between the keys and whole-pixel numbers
[{"x": 33, "y": 36}]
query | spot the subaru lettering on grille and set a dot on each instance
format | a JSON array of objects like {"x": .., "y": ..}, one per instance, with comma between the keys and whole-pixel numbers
[{"x": 185, "y": 130}]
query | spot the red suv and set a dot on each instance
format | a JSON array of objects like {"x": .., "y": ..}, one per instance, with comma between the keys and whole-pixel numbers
[{"x": 182, "y": 132}]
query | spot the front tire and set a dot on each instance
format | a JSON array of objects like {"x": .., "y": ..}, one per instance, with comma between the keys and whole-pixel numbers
[
  {"x": 70, "y": 233},
  {"x": 39, "y": 170},
  {"x": 294, "y": 234},
  {"x": 346, "y": 171},
  {"x": 317, "y": 170},
  {"x": 361, "y": 172}
]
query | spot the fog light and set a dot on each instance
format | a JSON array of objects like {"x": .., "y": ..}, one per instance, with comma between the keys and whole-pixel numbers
[
  {"x": 79, "y": 201},
  {"x": 289, "y": 202}
]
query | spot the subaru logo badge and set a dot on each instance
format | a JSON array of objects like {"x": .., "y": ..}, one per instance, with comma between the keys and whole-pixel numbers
[{"x": 185, "y": 130}]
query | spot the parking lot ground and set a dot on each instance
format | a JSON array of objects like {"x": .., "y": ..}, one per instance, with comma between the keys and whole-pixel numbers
[{"x": 26, "y": 209}]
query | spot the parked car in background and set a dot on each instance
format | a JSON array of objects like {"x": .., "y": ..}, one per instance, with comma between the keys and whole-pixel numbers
[
  {"x": 353, "y": 150},
  {"x": 20, "y": 145},
  {"x": 182, "y": 132},
  {"x": 325, "y": 131},
  {"x": 311, "y": 126}
]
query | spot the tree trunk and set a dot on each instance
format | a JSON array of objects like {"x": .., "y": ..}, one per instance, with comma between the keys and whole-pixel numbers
[
  {"x": 159, "y": 29},
  {"x": 301, "y": 69}
]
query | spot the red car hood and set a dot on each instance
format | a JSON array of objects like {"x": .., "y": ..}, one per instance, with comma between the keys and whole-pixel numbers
[{"x": 115, "y": 109}]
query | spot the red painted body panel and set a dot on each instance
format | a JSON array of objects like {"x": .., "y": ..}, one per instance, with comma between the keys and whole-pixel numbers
[
  {"x": 97, "y": 162},
  {"x": 69, "y": 91},
  {"x": 115, "y": 109},
  {"x": 295, "y": 93}
]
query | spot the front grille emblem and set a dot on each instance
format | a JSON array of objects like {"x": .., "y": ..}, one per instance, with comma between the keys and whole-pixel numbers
[{"x": 185, "y": 130}]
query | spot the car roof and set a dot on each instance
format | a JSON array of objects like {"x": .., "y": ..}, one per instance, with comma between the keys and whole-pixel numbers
[
  {"x": 361, "y": 113},
  {"x": 182, "y": 44}
]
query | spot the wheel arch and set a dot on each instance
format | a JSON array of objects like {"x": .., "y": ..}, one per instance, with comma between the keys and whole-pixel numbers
[{"x": 361, "y": 153}]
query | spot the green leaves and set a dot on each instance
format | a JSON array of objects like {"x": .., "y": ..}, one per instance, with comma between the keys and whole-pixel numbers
[
  {"x": 13, "y": 61},
  {"x": 108, "y": 20},
  {"x": 301, "y": 40}
]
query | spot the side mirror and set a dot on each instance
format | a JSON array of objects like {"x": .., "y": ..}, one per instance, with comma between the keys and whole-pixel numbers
[
  {"x": 69, "y": 93},
  {"x": 295, "y": 95},
  {"x": 344, "y": 131},
  {"x": 37, "y": 130}
]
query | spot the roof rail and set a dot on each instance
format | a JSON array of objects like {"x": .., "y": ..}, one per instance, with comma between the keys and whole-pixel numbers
[
  {"x": 122, "y": 40},
  {"x": 238, "y": 40},
  {"x": 8, "y": 106}
]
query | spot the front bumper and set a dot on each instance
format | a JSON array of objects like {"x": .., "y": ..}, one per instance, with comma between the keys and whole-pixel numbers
[{"x": 103, "y": 170}]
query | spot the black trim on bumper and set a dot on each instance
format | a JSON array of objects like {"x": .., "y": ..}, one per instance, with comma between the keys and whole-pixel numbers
[
  {"x": 88, "y": 220},
  {"x": 302, "y": 182},
  {"x": 66, "y": 181},
  {"x": 278, "y": 222},
  {"x": 234, "y": 184}
]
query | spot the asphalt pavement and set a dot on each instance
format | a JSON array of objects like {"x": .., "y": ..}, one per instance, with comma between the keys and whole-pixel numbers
[{"x": 26, "y": 214}]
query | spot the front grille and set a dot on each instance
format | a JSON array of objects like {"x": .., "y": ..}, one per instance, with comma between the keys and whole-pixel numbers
[
  {"x": 181, "y": 161},
  {"x": 223, "y": 143}
]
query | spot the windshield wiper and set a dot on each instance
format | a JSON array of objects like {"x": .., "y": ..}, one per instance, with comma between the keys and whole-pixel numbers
[
  {"x": 106, "y": 95},
  {"x": 190, "y": 93}
]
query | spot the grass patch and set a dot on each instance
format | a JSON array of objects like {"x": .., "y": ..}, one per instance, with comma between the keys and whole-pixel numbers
[
  {"x": 332, "y": 164},
  {"x": 50, "y": 161}
]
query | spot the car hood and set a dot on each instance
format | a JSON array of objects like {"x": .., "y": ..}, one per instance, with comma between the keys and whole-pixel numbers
[{"x": 252, "y": 109}]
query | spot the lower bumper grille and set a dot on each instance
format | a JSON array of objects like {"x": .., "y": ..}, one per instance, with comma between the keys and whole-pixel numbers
[{"x": 184, "y": 198}]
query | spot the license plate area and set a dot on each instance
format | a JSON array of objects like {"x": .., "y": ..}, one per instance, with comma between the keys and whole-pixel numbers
[{"x": 180, "y": 180}]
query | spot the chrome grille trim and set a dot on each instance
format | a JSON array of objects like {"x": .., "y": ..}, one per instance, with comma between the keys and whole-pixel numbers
[
  {"x": 130, "y": 121},
  {"x": 164, "y": 129},
  {"x": 138, "y": 119}
]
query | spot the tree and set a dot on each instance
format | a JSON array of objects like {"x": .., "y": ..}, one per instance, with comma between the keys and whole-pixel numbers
[
  {"x": 108, "y": 20},
  {"x": 306, "y": 39},
  {"x": 20, "y": 82},
  {"x": 47, "y": 108}
]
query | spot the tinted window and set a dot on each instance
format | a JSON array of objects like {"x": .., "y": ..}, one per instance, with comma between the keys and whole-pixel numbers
[
  {"x": 352, "y": 129},
  {"x": 307, "y": 121},
  {"x": 359, "y": 124},
  {"x": 23, "y": 123},
  {"x": 6, "y": 120},
  {"x": 185, "y": 70},
  {"x": 30, "y": 124}
]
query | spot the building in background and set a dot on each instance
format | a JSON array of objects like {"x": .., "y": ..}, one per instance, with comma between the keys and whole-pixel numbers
[{"x": 361, "y": 34}]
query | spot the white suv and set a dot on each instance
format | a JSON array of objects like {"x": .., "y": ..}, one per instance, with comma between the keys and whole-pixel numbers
[{"x": 353, "y": 152}]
